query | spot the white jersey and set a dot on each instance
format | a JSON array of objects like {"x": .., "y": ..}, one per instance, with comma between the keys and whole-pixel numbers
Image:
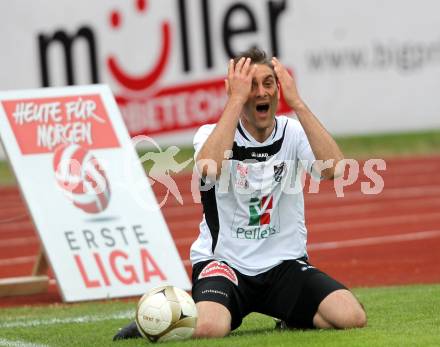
[{"x": 254, "y": 215}]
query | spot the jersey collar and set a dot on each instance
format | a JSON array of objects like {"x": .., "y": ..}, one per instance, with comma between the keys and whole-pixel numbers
[{"x": 248, "y": 137}]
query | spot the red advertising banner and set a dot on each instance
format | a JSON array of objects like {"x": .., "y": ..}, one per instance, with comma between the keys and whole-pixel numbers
[{"x": 40, "y": 125}]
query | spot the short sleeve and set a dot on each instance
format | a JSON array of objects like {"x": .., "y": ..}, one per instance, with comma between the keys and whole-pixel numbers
[
  {"x": 305, "y": 154},
  {"x": 200, "y": 138}
]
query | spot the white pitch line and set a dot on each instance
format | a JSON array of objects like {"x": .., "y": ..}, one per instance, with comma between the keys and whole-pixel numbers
[
  {"x": 183, "y": 241},
  {"x": 373, "y": 206},
  {"x": 17, "y": 261},
  {"x": 368, "y": 241},
  {"x": 338, "y": 225},
  {"x": 128, "y": 314},
  {"x": 326, "y": 194},
  {"x": 421, "y": 235},
  {"x": 19, "y": 241},
  {"x": 316, "y": 227},
  {"x": 386, "y": 195},
  {"x": 19, "y": 343},
  {"x": 322, "y": 197},
  {"x": 374, "y": 222},
  {"x": 342, "y": 224},
  {"x": 19, "y": 225},
  {"x": 335, "y": 225}
]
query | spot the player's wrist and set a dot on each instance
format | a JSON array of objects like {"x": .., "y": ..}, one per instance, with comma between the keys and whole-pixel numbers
[
  {"x": 237, "y": 100},
  {"x": 298, "y": 105}
]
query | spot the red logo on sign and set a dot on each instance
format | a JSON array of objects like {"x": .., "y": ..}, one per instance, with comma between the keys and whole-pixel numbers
[
  {"x": 81, "y": 178},
  {"x": 216, "y": 268},
  {"x": 148, "y": 106}
]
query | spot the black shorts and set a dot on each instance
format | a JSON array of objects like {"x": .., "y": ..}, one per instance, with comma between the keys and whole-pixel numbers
[{"x": 291, "y": 291}]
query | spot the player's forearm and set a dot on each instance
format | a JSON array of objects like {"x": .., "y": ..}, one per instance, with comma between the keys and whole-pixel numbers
[
  {"x": 221, "y": 139},
  {"x": 324, "y": 147}
]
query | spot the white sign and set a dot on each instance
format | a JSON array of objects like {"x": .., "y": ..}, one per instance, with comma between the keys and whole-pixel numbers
[
  {"x": 362, "y": 66},
  {"x": 91, "y": 202}
]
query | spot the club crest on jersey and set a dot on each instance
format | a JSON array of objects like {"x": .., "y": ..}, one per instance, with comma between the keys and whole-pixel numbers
[
  {"x": 216, "y": 268},
  {"x": 242, "y": 173},
  {"x": 278, "y": 171}
]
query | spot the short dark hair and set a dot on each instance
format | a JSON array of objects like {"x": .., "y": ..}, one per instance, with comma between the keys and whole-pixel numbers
[{"x": 258, "y": 56}]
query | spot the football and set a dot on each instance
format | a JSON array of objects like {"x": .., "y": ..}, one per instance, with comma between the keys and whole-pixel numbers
[{"x": 166, "y": 313}]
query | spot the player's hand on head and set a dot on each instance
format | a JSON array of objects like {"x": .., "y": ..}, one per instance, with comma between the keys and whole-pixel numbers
[
  {"x": 239, "y": 82},
  {"x": 287, "y": 83}
]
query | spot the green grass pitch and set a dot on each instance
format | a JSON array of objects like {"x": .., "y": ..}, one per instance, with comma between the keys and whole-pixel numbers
[{"x": 397, "y": 316}]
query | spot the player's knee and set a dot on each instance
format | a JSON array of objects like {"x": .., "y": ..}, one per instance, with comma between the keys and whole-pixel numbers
[
  {"x": 341, "y": 310},
  {"x": 360, "y": 318},
  {"x": 210, "y": 329},
  {"x": 357, "y": 318}
]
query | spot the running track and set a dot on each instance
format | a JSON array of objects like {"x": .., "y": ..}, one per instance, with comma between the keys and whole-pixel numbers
[{"x": 363, "y": 240}]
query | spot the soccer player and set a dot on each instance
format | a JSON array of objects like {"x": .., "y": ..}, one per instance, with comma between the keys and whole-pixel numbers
[{"x": 251, "y": 254}]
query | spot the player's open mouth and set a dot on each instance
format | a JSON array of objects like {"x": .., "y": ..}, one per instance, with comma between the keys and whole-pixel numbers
[{"x": 262, "y": 108}]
